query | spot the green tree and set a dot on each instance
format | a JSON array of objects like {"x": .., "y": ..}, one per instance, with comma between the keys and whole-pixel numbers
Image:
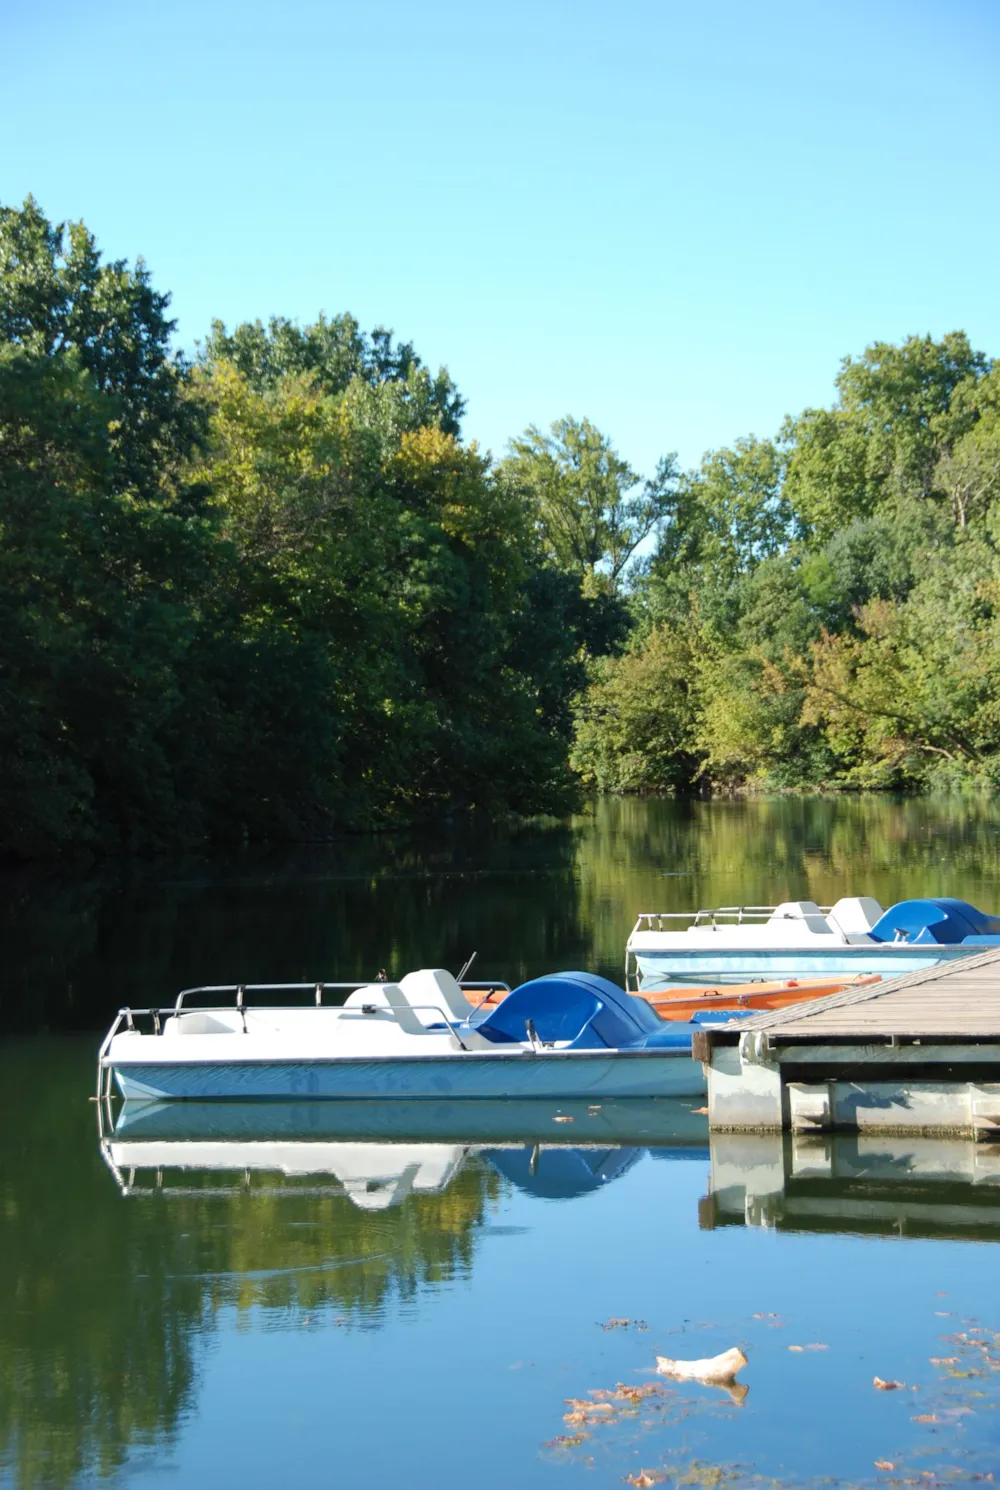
[
  {"x": 885, "y": 436},
  {"x": 105, "y": 544},
  {"x": 635, "y": 726},
  {"x": 334, "y": 350},
  {"x": 590, "y": 517}
]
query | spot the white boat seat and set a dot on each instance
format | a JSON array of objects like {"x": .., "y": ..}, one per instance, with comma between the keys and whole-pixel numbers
[
  {"x": 436, "y": 986},
  {"x": 198, "y": 1022},
  {"x": 803, "y": 913},
  {"x": 392, "y": 996},
  {"x": 856, "y": 915}
]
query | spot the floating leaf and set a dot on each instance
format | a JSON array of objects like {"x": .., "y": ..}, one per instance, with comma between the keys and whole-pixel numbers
[
  {"x": 799, "y": 1348},
  {"x": 886, "y": 1386},
  {"x": 927, "y": 1417},
  {"x": 644, "y": 1478},
  {"x": 944, "y": 1360},
  {"x": 884, "y": 1464}
]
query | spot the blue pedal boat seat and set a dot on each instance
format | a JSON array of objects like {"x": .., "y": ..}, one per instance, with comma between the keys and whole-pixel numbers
[
  {"x": 945, "y": 922},
  {"x": 580, "y": 1011}
]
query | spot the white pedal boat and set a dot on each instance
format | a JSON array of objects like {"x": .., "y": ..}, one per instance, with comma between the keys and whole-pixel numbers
[
  {"x": 799, "y": 938},
  {"x": 563, "y": 1036}
]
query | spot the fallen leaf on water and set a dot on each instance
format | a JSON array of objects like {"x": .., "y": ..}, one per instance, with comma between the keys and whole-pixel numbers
[
  {"x": 944, "y": 1360},
  {"x": 927, "y": 1417},
  {"x": 625, "y": 1393},
  {"x": 884, "y": 1464},
  {"x": 644, "y": 1478},
  {"x": 616, "y": 1324},
  {"x": 566, "y": 1441},
  {"x": 886, "y": 1386},
  {"x": 799, "y": 1348},
  {"x": 565, "y": 1119}
]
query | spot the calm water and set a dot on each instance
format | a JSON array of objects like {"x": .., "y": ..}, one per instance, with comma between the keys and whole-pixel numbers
[{"x": 414, "y": 1299}]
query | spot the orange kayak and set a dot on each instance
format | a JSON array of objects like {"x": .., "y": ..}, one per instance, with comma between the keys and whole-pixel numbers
[{"x": 681, "y": 1003}]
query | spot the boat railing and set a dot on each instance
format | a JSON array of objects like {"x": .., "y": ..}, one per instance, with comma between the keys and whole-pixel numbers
[
  {"x": 729, "y": 914},
  {"x": 716, "y": 917},
  {"x": 159, "y": 1014}
]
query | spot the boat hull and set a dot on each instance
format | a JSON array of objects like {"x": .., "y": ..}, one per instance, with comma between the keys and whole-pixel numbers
[
  {"x": 552, "y": 1075},
  {"x": 717, "y": 966}
]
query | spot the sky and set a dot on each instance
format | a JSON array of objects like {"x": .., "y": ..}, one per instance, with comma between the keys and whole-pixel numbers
[{"x": 673, "y": 219}]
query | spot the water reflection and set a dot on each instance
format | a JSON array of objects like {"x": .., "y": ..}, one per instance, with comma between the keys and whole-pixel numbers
[
  {"x": 861, "y": 1184},
  {"x": 378, "y": 1154},
  {"x": 530, "y": 898}
]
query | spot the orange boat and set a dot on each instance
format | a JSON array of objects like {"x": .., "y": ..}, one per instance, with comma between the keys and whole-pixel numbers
[{"x": 681, "y": 1003}]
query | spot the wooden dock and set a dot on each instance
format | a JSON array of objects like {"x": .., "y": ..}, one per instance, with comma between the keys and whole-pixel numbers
[{"x": 920, "y": 1053}]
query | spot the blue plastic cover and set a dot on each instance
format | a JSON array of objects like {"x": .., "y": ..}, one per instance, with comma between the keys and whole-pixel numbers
[
  {"x": 944, "y": 922},
  {"x": 587, "y": 1011}
]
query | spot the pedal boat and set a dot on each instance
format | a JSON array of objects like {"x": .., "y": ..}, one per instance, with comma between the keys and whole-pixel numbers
[
  {"x": 853, "y": 938},
  {"x": 567, "y": 1035}
]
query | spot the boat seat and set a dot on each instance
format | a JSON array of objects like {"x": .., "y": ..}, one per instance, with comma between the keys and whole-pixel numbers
[
  {"x": 435, "y": 986},
  {"x": 390, "y": 996},
  {"x": 804, "y": 913},
  {"x": 855, "y": 915},
  {"x": 562, "y": 1013},
  {"x": 199, "y": 1022}
]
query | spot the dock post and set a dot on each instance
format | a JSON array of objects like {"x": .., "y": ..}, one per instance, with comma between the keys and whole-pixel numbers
[{"x": 744, "y": 1084}]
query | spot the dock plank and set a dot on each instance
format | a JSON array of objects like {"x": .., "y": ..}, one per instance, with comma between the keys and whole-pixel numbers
[{"x": 954, "y": 999}]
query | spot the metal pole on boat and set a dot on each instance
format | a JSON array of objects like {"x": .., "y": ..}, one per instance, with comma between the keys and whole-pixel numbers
[{"x": 465, "y": 968}]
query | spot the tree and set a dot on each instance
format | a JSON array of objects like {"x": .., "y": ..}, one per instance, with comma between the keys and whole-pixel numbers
[
  {"x": 105, "y": 543},
  {"x": 737, "y": 509},
  {"x": 635, "y": 725},
  {"x": 884, "y": 437},
  {"x": 335, "y": 350},
  {"x": 579, "y": 488}
]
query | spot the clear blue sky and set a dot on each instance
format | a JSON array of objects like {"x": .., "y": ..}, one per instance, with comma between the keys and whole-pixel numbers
[{"x": 672, "y": 218}]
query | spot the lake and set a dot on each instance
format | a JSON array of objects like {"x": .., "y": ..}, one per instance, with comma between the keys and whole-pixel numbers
[{"x": 449, "y": 1299}]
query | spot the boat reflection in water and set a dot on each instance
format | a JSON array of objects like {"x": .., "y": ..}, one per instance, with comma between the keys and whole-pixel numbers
[
  {"x": 378, "y": 1154},
  {"x": 883, "y": 1186}
]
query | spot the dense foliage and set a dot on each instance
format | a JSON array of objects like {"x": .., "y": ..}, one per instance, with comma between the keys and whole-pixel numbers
[
  {"x": 823, "y": 608},
  {"x": 272, "y": 594}
]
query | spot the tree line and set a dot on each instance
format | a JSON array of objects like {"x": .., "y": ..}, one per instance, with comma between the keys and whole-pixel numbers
[
  {"x": 268, "y": 591},
  {"x": 822, "y": 608}
]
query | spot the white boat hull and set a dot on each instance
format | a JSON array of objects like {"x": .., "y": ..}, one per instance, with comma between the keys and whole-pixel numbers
[
  {"x": 738, "y": 965},
  {"x": 552, "y": 1074}
]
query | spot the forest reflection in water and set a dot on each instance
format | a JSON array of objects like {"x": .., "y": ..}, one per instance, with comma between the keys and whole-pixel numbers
[
  {"x": 132, "y": 1327},
  {"x": 529, "y": 898}
]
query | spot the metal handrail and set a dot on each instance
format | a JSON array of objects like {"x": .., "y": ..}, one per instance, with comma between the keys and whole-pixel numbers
[
  {"x": 738, "y": 913},
  {"x": 239, "y": 989}
]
